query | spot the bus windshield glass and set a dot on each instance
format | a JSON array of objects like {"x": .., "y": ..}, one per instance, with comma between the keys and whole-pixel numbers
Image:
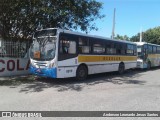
[
  {"x": 49, "y": 32},
  {"x": 44, "y": 45},
  {"x": 139, "y": 51}
]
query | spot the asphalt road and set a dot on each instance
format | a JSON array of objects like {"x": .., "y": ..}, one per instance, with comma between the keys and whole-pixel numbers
[{"x": 136, "y": 90}]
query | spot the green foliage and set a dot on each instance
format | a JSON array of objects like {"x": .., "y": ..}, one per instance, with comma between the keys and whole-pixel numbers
[
  {"x": 20, "y": 18},
  {"x": 151, "y": 36},
  {"x": 120, "y": 37},
  {"x": 135, "y": 38}
]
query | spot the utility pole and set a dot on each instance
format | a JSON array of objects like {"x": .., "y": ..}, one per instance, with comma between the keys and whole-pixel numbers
[
  {"x": 113, "y": 27},
  {"x": 140, "y": 37}
]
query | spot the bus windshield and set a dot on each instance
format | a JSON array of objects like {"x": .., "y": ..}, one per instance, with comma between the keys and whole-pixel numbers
[
  {"x": 139, "y": 51},
  {"x": 44, "y": 46},
  {"x": 48, "y": 32}
]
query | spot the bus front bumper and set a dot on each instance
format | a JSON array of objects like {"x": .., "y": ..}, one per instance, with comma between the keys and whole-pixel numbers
[
  {"x": 141, "y": 65},
  {"x": 45, "y": 72}
]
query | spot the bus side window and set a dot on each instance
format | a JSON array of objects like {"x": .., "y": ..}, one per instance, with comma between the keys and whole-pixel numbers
[
  {"x": 84, "y": 45},
  {"x": 67, "y": 46},
  {"x": 63, "y": 46},
  {"x": 111, "y": 49},
  {"x": 150, "y": 49},
  {"x": 158, "y": 49},
  {"x": 123, "y": 48},
  {"x": 118, "y": 48},
  {"x": 108, "y": 48},
  {"x": 130, "y": 49},
  {"x": 98, "y": 48},
  {"x": 72, "y": 47},
  {"x": 154, "y": 49},
  {"x": 135, "y": 50}
]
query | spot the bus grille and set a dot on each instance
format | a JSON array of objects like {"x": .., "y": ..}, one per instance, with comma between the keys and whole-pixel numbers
[{"x": 40, "y": 64}]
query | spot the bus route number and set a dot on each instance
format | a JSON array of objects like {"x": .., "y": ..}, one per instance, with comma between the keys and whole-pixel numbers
[{"x": 68, "y": 71}]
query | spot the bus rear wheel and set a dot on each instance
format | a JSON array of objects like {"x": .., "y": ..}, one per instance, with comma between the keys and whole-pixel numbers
[
  {"x": 121, "y": 68},
  {"x": 81, "y": 73}
]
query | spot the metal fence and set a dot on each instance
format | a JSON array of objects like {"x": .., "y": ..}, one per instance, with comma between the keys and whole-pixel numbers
[{"x": 15, "y": 49}]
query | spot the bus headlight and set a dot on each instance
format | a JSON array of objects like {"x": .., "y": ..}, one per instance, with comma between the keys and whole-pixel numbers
[
  {"x": 33, "y": 65},
  {"x": 51, "y": 65}
]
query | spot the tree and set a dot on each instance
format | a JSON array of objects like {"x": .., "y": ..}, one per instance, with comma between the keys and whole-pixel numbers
[
  {"x": 120, "y": 37},
  {"x": 135, "y": 38},
  {"x": 20, "y": 18},
  {"x": 151, "y": 36}
]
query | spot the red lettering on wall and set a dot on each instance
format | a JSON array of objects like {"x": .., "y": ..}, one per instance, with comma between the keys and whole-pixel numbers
[
  {"x": 18, "y": 66},
  {"x": 27, "y": 67},
  {"x": 10, "y": 65},
  {"x": 2, "y": 61},
  {"x": 15, "y": 65}
]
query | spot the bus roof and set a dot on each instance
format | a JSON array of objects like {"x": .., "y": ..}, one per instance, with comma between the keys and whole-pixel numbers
[
  {"x": 143, "y": 43},
  {"x": 86, "y": 35}
]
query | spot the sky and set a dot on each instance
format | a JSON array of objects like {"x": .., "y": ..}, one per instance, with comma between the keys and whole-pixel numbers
[{"x": 131, "y": 17}]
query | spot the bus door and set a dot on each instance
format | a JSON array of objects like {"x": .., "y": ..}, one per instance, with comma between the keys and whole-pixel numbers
[{"x": 145, "y": 52}]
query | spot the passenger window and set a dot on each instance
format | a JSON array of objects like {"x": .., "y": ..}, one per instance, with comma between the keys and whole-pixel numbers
[
  {"x": 110, "y": 48},
  {"x": 98, "y": 48},
  {"x": 130, "y": 49},
  {"x": 67, "y": 46},
  {"x": 158, "y": 49},
  {"x": 135, "y": 50},
  {"x": 84, "y": 46},
  {"x": 150, "y": 49},
  {"x": 154, "y": 49},
  {"x": 123, "y": 49}
]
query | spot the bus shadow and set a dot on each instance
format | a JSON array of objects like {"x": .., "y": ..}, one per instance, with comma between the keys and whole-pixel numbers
[
  {"x": 60, "y": 85},
  {"x": 37, "y": 84},
  {"x": 129, "y": 77}
]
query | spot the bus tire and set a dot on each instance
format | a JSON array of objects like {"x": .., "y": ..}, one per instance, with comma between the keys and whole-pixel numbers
[
  {"x": 82, "y": 72},
  {"x": 149, "y": 65},
  {"x": 121, "y": 68}
]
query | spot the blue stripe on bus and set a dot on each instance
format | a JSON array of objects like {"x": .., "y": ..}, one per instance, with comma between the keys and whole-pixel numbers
[{"x": 46, "y": 72}]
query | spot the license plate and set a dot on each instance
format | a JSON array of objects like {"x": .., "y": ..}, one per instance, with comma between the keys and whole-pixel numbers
[{"x": 38, "y": 70}]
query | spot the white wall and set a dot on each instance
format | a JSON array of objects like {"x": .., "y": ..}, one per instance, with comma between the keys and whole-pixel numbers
[{"x": 14, "y": 66}]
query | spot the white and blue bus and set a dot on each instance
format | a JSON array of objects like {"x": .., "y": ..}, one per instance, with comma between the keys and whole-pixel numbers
[
  {"x": 148, "y": 55},
  {"x": 58, "y": 53}
]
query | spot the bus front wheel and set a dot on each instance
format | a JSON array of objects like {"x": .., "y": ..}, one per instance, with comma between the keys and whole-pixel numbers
[
  {"x": 121, "y": 68},
  {"x": 81, "y": 73}
]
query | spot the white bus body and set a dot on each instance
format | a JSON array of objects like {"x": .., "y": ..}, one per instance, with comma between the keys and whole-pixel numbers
[
  {"x": 148, "y": 55},
  {"x": 78, "y": 55}
]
